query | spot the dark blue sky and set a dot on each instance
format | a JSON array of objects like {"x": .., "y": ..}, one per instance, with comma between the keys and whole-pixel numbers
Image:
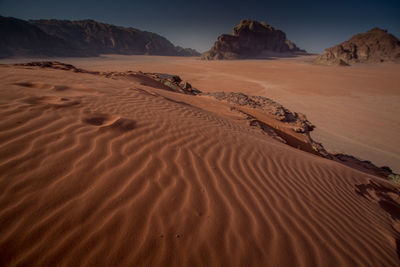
[{"x": 312, "y": 25}]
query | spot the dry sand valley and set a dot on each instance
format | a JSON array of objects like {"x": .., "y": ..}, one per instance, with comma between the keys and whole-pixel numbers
[
  {"x": 354, "y": 109},
  {"x": 100, "y": 170}
]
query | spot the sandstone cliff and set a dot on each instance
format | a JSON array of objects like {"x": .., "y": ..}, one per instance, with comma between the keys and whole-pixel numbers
[
  {"x": 20, "y": 38},
  {"x": 110, "y": 39},
  {"x": 375, "y": 45},
  {"x": 252, "y": 39},
  {"x": 80, "y": 38}
]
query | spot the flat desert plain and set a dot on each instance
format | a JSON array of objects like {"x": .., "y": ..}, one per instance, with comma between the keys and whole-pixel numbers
[{"x": 103, "y": 170}]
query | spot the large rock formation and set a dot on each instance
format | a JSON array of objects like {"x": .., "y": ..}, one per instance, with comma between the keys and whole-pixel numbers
[
  {"x": 20, "y": 38},
  {"x": 251, "y": 39},
  {"x": 106, "y": 38},
  {"x": 80, "y": 38},
  {"x": 375, "y": 45}
]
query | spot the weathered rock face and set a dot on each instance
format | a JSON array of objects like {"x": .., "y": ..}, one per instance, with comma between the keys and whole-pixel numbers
[
  {"x": 20, "y": 38},
  {"x": 174, "y": 83},
  {"x": 251, "y": 39},
  {"x": 106, "y": 39},
  {"x": 80, "y": 38},
  {"x": 375, "y": 45}
]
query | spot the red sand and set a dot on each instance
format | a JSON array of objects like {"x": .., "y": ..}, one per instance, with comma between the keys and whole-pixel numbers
[
  {"x": 353, "y": 107},
  {"x": 103, "y": 172}
]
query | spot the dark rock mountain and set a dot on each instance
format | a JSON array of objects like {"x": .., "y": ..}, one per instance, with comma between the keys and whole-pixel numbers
[
  {"x": 109, "y": 39},
  {"x": 187, "y": 52},
  {"x": 375, "y": 45},
  {"x": 20, "y": 38},
  {"x": 80, "y": 38},
  {"x": 251, "y": 39}
]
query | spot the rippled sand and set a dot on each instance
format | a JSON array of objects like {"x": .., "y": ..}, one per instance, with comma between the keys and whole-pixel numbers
[
  {"x": 354, "y": 108},
  {"x": 103, "y": 172}
]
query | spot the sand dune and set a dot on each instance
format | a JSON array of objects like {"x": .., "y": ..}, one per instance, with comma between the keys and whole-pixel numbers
[
  {"x": 102, "y": 172},
  {"x": 358, "y": 102}
]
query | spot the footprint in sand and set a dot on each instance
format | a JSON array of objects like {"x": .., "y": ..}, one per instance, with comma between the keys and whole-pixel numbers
[
  {"x": 52, "y": 101},
  {"x": 43, "y": 86},
  {"x": 110, "y": 122},
  {"x": 385, "y": 194}
]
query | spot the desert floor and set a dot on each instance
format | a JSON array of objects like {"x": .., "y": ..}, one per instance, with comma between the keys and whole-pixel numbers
[{"x": 96, "y": 171}]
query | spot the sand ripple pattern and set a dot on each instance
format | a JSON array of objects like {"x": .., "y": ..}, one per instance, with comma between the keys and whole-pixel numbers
[{"x": 132, "y": 178}]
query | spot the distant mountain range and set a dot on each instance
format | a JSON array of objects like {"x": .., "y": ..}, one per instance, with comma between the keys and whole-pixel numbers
[
  {"x": 64, "y": 38},
  {"x": 250, "y": 39}
]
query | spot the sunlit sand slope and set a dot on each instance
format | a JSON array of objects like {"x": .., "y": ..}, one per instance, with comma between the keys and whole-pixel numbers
[{"x": 103, "y": 172}]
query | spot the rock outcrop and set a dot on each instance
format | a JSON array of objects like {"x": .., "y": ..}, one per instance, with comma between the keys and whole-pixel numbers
[
  {"x": 375, "y": 45},
  {"x": 267, "y": 105},
  {"x": 80, "y": 38},
  {"x": 174, "y": 83},
  {"x": 252, "y": 39},
  {"x": 169, "y": 82}
]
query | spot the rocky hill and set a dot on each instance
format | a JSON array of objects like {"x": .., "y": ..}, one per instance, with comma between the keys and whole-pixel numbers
[
  {"x": 21, "y": 38},
  {"x": 375, "y": 45},
  {"x": 80, "y": 38},
  {"x": 252, "y": 39}
]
